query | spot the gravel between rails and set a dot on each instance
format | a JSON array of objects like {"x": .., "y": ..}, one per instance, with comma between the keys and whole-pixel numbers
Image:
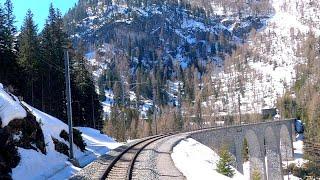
[
  {"x": 97, "y": 168},
  {"x": 155, "y": 162},
  {"x": 121, "y": 169}
]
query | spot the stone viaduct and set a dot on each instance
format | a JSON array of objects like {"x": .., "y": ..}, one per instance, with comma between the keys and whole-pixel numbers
[{"x": 269, "y": 143}]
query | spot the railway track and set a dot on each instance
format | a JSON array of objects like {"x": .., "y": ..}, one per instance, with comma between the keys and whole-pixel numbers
[{"x": 121, "y": 167}]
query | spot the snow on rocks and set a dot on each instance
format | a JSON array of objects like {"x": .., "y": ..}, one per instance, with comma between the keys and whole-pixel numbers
[
  {"x": 10, "y": 108},
  {"x": 52, "y": 164},
  {"x": 97, "y": 144}
]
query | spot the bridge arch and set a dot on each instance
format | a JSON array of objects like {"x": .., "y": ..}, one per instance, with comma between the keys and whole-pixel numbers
[
  {"x": 286, "y": 146},
  {"x": 256, "y": 157},
  {"x": 273, "y": 163}
]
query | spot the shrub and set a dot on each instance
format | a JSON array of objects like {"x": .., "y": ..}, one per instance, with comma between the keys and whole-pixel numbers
[
  {"x": 64, "y": 135},
  {"x": 60, "y": 146},
  {"x": 256, "y": 175},
  {"x": 309, "y": 169},
  {"x": 224, "y": 164},
  {"x": 77, "y": 138},
  {"x": 312, "y": 169},
  {"x": 24, "y": 133},
  {"x": 245, "y": 151}
]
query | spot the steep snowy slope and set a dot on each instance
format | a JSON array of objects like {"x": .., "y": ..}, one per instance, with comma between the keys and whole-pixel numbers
[{"x": 43, "y": 162}]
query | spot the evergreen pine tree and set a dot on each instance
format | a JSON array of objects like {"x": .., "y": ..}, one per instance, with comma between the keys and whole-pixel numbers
[
  {"x": 8, "y": 66},
  {"x": 2, "y": 47},
  {"x": 87, "y": 110},
  {"x": 256, "y": 175},
  {"x": 28, "y": 57},
  {"x": 102, "y": 80},
  {"x": 224, "y": 164},
  {"x": 53, "y": 41},
  {"x": 10, "y": 29}
]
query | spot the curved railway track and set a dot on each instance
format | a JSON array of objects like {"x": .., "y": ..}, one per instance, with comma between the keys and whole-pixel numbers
[{"x": 121, "y": 167}]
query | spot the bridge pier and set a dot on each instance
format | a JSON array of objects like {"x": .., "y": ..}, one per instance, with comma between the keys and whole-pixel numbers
[
  {"x": 257, "y": 167},
  {"x": 239, "y": 155},
  {"x": 272, "y": 147},
  {"x": 286, "y": 143},
  {"x": 274, "y": 167}
]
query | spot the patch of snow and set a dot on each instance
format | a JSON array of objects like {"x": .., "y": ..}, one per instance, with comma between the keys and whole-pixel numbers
[
  {"x": 298, "y": 152},
  {"x": 291, "y": 177},
  {"x": 95, "y": 140},
  {"x": 10, "y": 108},
  {"x": 90, "y": 55},
  {"x": 190, "y": 23},
  {"x": 17, "y": 137},
  {"x": 65, "y": 173},
  {"x": 197, "y": 161}
]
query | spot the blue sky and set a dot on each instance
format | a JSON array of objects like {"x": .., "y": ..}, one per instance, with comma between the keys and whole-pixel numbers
[{"x": 39, "y": 8}]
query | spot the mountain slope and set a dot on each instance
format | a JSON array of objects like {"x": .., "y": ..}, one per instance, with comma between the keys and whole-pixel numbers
[
  {"x": 274, "y": 53},
  {"x": 164, "y": 31},
  {"x": 140, "y": 42}
]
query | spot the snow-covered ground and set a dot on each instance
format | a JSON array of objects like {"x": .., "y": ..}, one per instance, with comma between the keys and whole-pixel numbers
[
  {"x": 197, "y": 161},
  {"x": 97, "y": 145},
  {"x": 298, "y": 156},
  {"x": 298, "y": 151},
  {"x": 9, "y": 108},
  {"x": 53, "y": 165}
]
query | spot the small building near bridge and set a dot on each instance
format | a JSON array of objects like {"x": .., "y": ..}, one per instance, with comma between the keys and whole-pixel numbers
[{"x": 268, "y": 113}]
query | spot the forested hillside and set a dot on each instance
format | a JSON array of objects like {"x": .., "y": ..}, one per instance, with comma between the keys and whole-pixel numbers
[{"x": 32, "y": 66}]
